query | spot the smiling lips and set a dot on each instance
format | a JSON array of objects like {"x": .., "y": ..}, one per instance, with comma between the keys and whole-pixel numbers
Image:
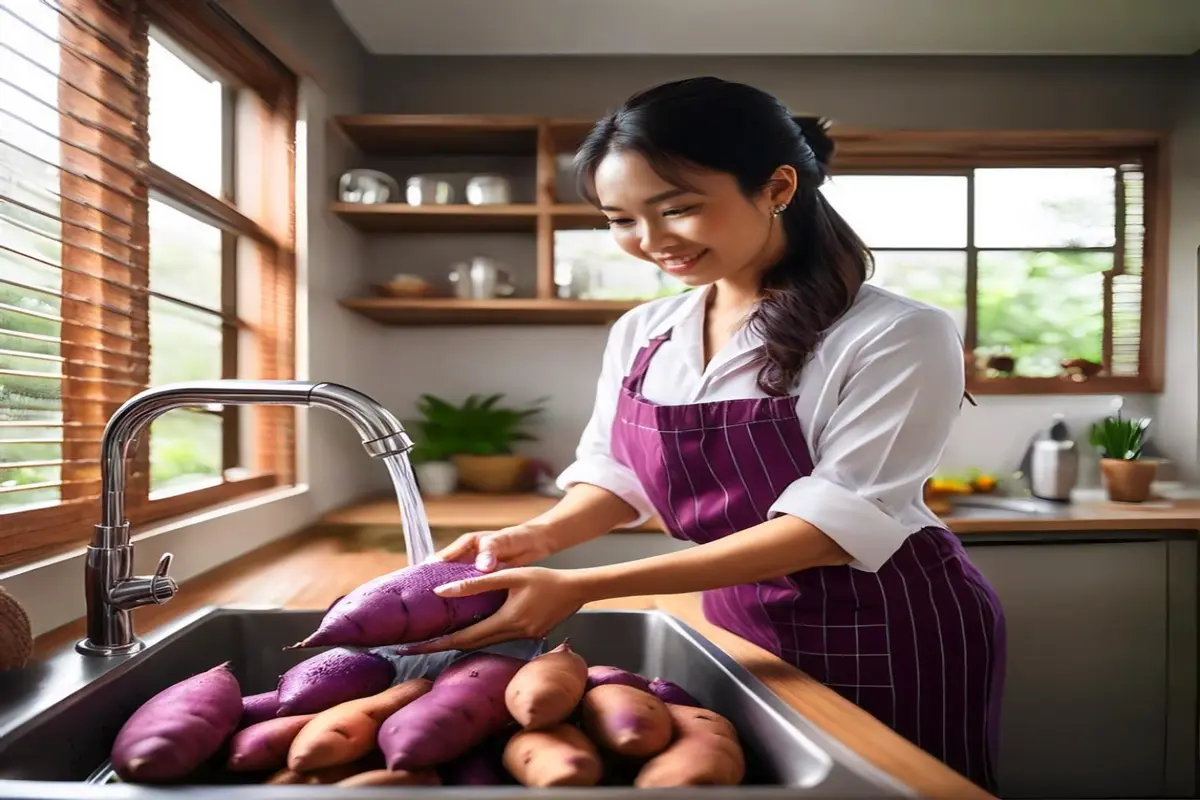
[{"x": 681, "y": 263}]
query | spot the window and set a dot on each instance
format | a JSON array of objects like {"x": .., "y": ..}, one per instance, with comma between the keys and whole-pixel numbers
[
  {"x": 1040, "y": 246},
  {"x": 146, "y": 237}
]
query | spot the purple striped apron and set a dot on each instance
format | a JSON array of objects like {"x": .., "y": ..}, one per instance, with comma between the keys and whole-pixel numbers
[{"x": 920, "y": 644}]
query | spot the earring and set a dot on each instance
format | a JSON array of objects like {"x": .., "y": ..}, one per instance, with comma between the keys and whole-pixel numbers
[{"x": 779, "y": 209}]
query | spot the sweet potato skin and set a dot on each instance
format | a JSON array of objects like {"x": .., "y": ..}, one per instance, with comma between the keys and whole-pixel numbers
[
  {"x": 330, "y": 678},
  {"x": 560, "y": 755},
  {"x": 264, "y": 745},
  {"x": 178, "y": 729},
  {"x": 601, "y": 676},
  {"x": 705, "y": 752},
  {"x": 392, "y": 777},
  {"x": 696, "y": 759},
  {"x": 545, "y": 691},
  {"x": 401, "y": 607},
  {"x": 348, "y": 731},
  {"x": 259, "y": 707},
  {"x": 670, "y": 692},
  {"x": 479, "y": 766},
  {"x": 689, "y": 720},
  {"x": 464, "y": 708},
  {"x": 626, "y": 720}
]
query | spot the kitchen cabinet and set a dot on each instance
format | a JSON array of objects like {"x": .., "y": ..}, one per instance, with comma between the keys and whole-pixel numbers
[{"x": 1100, "y": 686}]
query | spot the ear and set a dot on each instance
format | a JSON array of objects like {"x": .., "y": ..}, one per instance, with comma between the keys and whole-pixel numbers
[{"x": 780, "y": 187}]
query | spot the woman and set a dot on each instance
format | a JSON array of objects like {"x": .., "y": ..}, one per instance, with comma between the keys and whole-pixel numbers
[{"x": 783, "y": 415}]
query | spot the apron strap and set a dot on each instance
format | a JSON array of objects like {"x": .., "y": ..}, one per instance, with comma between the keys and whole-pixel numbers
[{"x": 641, "y": 362}]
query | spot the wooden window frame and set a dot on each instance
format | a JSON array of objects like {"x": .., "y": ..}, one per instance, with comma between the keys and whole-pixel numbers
[
  {"x": 877, "y": 152},
  {"x": 258, "y": 235}
]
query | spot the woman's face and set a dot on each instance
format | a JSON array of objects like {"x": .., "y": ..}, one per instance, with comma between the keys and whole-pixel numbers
[{"x": 701, "y": 235}]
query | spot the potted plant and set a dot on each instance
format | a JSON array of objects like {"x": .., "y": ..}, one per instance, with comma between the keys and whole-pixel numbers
[
  {"x": 478, "y": 439},
  {"x": 1126, "y": 476}
]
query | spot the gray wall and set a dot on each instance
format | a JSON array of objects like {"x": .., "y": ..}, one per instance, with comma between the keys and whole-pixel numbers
[{"x": 962, "y": 93}]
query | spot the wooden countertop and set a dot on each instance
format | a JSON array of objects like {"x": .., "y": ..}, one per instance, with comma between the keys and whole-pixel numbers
[
  {"x": 311, "y": 570},
  {"x": 472, "y": 512}
]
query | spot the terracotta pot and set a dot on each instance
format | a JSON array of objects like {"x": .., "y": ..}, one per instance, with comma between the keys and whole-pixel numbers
[
  {"x": 1127, "y": 481},
  {"x": 504, "y": 473}
]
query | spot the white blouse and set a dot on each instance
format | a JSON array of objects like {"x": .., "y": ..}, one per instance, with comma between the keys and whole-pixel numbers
[{"x": 876, "y": 402}]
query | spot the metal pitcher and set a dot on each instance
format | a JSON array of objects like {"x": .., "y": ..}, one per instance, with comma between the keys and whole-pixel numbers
[{"x": 480, "y": 278}]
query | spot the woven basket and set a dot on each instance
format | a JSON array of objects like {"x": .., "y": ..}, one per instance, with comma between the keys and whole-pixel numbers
[{"x": 16, "y": 634}]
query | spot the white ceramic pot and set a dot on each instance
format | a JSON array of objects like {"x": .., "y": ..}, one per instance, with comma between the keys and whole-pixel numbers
[{"x": 436, "y": 478}]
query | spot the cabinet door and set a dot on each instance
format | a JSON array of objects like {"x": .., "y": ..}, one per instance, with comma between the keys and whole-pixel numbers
[{"x": 1084, "y": 711}]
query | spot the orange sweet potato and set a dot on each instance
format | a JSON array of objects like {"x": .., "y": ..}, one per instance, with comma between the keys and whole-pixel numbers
[
  {"x": 696, "y": 759},
  {"x": 560, "y": 755},
  {"x": 348, "y": 731},
  {"x": 393, "y": 777},
  {"x": 264, "y": 745},
  {"x": 705, "y": 752},
  {"x": 547, "y": 689},
  {"x": 626, "y": 720}
]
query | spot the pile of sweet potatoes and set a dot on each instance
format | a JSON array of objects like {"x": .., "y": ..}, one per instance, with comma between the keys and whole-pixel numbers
[
  {"x": 341, "y": 716},
  {"x": 487, "y": 719}
]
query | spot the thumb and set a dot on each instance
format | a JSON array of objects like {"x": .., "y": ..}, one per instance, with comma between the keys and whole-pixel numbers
[
  {"x": 492, "y": 549},
  {"x": 470, "y": 586}
]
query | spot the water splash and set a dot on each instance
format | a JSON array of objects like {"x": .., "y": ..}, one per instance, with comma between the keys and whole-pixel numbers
[{"x": 418, "y": 541}]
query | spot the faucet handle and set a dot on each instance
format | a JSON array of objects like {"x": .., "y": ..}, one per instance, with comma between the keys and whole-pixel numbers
[
  {"x": 158, "y": 588},
  {"x": 164, "y": 565}
]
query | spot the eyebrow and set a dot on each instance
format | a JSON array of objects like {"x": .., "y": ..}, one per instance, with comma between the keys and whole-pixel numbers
[{"x": 658, "y": 198}]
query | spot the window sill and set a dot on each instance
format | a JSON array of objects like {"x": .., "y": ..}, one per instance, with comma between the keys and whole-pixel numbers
[
  {"x": 1052, "y": 386},
  {"x": 51, "y": 589}
]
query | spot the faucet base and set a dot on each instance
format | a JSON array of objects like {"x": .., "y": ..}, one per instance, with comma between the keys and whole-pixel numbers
[{"x": 88, "y": 648}]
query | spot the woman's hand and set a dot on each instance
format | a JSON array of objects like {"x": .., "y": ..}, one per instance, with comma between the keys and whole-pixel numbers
[
  {"x": 538, "y": 599},
  {"x": 515, "y": 546}
]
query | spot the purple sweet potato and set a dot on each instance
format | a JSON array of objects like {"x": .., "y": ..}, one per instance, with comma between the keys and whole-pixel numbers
[
  {"x": 463, "y": 709},
  {"x": 479, "y": 766},
  {"x": 599, "y": 676},
  {"x": 264, "y": 745},
  {"x": 332, "y": 677},
  {"x": 671, "y": 692},
  {"x": 259, "y": 707},
  {"x": 177, "y": 730},
  {"x": 401, "y": 607}
]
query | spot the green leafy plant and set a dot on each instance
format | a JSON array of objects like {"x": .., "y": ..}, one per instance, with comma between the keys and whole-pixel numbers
[
  {"x": 480, "y": 426},
  {"x": 1120, "y": 438}
]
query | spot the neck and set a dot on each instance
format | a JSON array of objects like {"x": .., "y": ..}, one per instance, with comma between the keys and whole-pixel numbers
[{"x": 742, "y": 289}]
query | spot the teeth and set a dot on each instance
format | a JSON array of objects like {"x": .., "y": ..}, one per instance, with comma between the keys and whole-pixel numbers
[{"x": 679, "y": 262}]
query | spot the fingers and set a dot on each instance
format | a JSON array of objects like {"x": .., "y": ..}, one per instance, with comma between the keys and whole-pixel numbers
[
  {"x": 461, "y": 548},
  {"x": 504, "y": 579}
]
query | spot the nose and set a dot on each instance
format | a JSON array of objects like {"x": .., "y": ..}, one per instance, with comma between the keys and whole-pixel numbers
[{"x": 654, "y": 236}]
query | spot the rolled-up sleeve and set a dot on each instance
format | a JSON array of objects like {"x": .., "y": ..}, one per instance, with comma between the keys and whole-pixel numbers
[
  {"x": 594, "y": 463},
  {"x": 884, "y": 438}
]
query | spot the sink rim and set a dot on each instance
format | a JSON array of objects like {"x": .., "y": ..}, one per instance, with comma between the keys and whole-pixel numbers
[{"x": 73, "y": 672}]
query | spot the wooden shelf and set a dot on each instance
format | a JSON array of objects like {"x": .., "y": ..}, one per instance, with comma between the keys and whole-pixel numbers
[
  {"x": 442, "y": 134},
  {"x": 403, "y": 218},
  {"x": 577, "y": 215},
  {"x": 514, "y": 311}
]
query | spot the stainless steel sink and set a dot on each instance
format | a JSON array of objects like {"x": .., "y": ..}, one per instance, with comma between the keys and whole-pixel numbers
[{"x": 58, "y": 718}]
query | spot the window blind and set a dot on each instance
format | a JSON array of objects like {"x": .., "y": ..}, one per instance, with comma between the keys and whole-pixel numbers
[
  {"x": 75, "y": 291},
  {"x": 73, "y": 254}
]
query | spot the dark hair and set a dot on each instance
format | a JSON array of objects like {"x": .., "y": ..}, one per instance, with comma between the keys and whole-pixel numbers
[{"x": 728, "y": 127}]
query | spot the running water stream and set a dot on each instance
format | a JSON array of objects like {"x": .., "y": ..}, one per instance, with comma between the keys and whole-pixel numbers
[{"x": 418, "y": 541}]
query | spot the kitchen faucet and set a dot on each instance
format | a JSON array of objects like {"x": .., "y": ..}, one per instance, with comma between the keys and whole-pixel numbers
[{"x": 111, "y": 589}]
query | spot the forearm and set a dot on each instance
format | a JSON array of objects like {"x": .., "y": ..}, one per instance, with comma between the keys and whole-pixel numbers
[
  {"x": 771, "y": 549},
  {"x": 585, "y": 512}
]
